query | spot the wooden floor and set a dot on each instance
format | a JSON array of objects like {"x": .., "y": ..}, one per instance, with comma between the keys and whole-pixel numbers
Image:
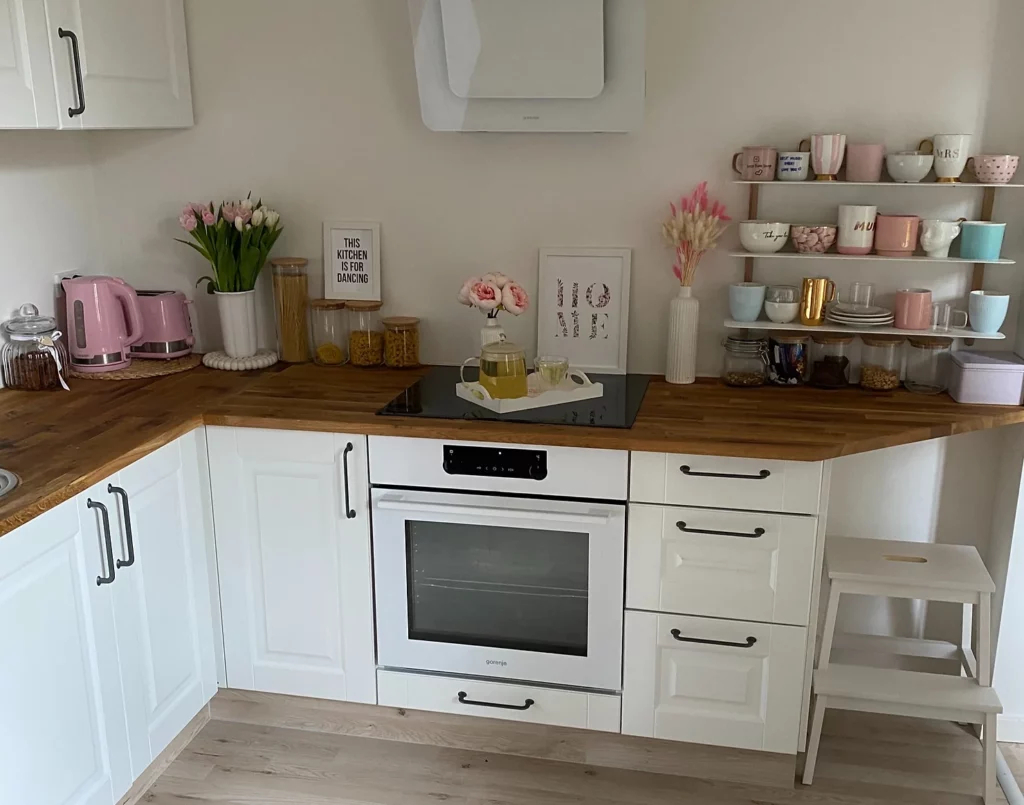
[{"x": 864, "y": 759}]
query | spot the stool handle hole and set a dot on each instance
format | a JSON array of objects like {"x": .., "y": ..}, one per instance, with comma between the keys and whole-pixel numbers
[{"x": 917, "y": 560}]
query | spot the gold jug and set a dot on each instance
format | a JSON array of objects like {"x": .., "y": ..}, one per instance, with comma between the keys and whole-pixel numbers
[
  {"x": 817, "y": 292},
  {"x": 502, "y": 370}
]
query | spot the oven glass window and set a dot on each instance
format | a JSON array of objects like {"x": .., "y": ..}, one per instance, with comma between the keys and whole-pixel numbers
[{"x": 483, "y": 585}]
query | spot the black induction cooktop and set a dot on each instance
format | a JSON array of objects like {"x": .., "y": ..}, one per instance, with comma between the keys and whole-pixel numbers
[{"x": 434, "y": 397}]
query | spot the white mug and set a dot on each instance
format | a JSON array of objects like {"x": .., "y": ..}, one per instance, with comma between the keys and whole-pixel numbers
[
  {"x": 936, "y": 236},
  {"x": 792, "y": 166},
  {"x": 856, "y": 229},
  {"x": 951, "y": 154}
]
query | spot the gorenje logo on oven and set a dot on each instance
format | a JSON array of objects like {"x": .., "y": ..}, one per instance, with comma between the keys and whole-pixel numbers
[{"x": 502, "y": 663}]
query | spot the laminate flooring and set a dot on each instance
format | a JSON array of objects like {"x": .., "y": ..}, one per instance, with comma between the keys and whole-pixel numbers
[{"x": 864, "y": 760}]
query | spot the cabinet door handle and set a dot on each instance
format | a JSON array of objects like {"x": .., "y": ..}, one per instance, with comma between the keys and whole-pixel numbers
[
  {"x": 463, "y": 699},
  {"x": 68, "y": 34},
  {"x": 749, "y": 644},
  {"x": 757, "y": 532},
  {"x": 350, "y": 513},
  {"x": 116, "y": 490},
  {"x": 685, "y": 470},
  {"x": 92, "y": 504}
]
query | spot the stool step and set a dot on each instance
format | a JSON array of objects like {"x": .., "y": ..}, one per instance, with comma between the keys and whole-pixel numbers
[
  {"x": 910, "y": 564},
  {"x": 905, "y": 687}
]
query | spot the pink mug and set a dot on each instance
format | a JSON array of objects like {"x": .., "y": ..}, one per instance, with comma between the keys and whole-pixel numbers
[
  {"x": 756, "y": 163},
  {"x": 913, "y": 309},
  {"x": 896, "y": 235},
  {"x": 993, "y": 168},
  {"x": 864, "y": 162}
]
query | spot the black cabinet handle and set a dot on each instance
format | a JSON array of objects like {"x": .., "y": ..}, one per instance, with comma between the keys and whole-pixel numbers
[
  {"x": 350, "y": 513},
  {"x": 685, "y": 470},
  {"x": 757, "y": 532},
  {"x": 67, "y": 34},
  {"x": 750, "y": 641},
  {"x": 92, "y": 504},
  {"x": 524, "y": 706},
  {"x": 116, "y": 490}
]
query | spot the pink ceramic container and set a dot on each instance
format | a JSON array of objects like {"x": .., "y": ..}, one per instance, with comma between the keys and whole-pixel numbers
[
  {"x": 993, "y": 168},
  {"x": 896, "y": 235},
  {"x": 812, "y": 239},
  {"x": 864, "y": 162},
  {"x": 913, "y": 309}
]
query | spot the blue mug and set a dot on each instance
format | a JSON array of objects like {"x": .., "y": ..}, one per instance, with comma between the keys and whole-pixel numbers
[
  {"x": 987, "y": 311},
  {"x": 981, "y": 241},
  {"x": 746, "y": 300}
]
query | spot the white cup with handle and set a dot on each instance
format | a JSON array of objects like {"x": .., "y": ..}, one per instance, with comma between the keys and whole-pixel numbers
[
  {"x": 951, "y": 153},
  {"x": 936, "y": 236}
]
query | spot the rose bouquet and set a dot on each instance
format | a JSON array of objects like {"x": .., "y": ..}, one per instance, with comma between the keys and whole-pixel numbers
[
  {"x": 492, "y": 293},
  {"x": 235, "y": 238},
  {"x": 694, "y": 228}
]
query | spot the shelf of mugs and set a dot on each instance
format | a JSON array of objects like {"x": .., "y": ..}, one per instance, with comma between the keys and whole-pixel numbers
[
  {"x": 842, "y": 329},
  {"x": 911, "y": 258}
]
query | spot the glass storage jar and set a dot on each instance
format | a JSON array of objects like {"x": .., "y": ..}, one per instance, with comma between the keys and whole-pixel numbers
[
  {"x": 33, "y": 358},
  {"x": 291, "y": 298},
  {"x": 401, "y": 342},
  {"x": 830, "y": 361},
  {"x": 788, "y": 360},
  {"x": 927, "y": 365},
  {"x": 880, "y": 359},
  {"x": 746, "y": 362},
  {"x": 329, "y": 322},
  {"x": 366, "y": 339}
]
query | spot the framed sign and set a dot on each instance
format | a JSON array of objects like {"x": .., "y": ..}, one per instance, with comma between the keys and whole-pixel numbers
[
  {"x": 352, "y": 260},
  {"x": 583, "y": 307}
]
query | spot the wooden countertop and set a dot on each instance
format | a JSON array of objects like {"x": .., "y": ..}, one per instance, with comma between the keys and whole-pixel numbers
[{"x": 60, "y": 444}]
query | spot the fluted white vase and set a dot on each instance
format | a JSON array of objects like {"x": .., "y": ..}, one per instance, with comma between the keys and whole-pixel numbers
[
  {"x": 683, "y": 314},
  {"x": 238, "y": 322}
]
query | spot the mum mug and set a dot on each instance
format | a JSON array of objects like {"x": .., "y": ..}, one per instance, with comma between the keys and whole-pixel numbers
[
  {"x": 856, "y": 229},
  {"x": 827, "y": 152},
  {"x": 951, "y": 152},
  {"x": 793, "y": 166},
  {"x": 755, "y": 163},
  {"x": 987, "y": 311}
]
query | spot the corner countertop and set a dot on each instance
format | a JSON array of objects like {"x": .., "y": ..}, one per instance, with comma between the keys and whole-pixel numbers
[{"x": 59, "y": 444}]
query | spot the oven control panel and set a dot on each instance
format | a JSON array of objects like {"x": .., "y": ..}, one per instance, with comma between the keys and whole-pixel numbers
[{"x": 496, "y": 462}]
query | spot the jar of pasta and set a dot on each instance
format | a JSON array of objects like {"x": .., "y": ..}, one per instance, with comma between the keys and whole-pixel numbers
[
  {"x": 401, "y": 342},
  {"x": 291, "y": 299},
  {"x": 330, "y": 331},
  {"x": 366, "y": 339}
]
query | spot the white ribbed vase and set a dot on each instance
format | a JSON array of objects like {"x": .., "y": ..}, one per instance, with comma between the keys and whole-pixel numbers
[
  {"x": 238, "y": 322},
  {"x": 683, "y": 314}
]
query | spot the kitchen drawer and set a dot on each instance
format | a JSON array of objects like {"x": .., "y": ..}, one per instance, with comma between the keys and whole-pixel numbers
[
  {"x": 719, "y": 682},
  {"x": 563, "y": 708},
  {"x": 743, "y": 565},
  {"x": 725, "y": 483}
]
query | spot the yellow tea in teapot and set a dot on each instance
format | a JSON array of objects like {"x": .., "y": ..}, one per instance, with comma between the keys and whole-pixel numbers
[{"x": 503, "y": 371}]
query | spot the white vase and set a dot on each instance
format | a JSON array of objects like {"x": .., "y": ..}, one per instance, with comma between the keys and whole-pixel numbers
[
  {"x": 683, "y": 314},
  {"x": 491, "y": 333},
  {"x": 238, "y": 322}
]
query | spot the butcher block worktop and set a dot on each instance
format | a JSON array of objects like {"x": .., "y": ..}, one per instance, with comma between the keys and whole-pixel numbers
[{"x": 60, "y": 443}]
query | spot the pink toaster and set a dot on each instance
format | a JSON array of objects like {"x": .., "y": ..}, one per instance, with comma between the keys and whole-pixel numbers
[{"x": 166, "y": 325}]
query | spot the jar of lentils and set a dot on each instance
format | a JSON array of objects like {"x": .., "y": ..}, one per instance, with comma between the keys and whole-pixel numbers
[
  {"x": 880, "y": 360},
  {"x": 746, "y": 362}
]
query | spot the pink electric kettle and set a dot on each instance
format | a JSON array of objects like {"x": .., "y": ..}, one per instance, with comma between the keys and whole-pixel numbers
[{"x": 104, "y": 320}]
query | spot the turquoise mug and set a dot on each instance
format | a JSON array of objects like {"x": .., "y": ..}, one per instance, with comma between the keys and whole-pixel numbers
[
  {"x": 746, "y": 300},
  {"x": 987, "y": 311},
  {"x": 981, "y": 241}
]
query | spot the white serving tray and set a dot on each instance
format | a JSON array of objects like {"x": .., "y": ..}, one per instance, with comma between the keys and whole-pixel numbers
[{"x": 537, "y": 397}]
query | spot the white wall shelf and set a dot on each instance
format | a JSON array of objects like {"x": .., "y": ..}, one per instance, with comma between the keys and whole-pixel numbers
[
  {"x": 843, "y": 183},
  {"x": 842, "y": 329},
  {"x": 915, "y": 258}
]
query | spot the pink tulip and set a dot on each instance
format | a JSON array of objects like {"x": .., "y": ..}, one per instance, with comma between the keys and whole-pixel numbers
[
  {"x": 188, "y": 221},
  {"x": 485, "y": 295},
  {"x": 209, "y": 218},
  {"x": 514, "y": 298}
]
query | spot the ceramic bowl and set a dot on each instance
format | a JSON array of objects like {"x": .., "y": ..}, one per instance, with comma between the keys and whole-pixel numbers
[
  {"x": 782, "y": 312},
  {"x": 909, "y": 166},
  {"x": 994, "y": 168},
  {"x": 813, "y": 239},
  {"x": 763, "y": 237}
]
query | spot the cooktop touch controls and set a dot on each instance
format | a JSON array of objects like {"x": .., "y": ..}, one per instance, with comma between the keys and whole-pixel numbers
[{"x": 496, "y": 462}]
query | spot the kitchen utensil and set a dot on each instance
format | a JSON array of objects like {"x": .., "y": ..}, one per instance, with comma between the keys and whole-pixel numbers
[
  {"x": 166, "y": 326},
  {"x": 864, "y": 162},
  {"x": 502, "y": 370},
  {"x": 944, "y": 317},
  {"x": 746, "y": 300},
  {"x": 329, "y": 323},
  {"x": 755, "y": 163},
  {"x": 927, "y": 365},
  {"x": 987, "y": 378},
  {"x": 553, "y": 369},
  {"x": 936, "y": 236},
  {"x": 291, "y": 302},
  {"x": 987, "y": 311},
  {"x": 856, "y": 228},
  {"x": 33, "y": 358},
  {"x": 951, "y": 152},
  {"x": 862, "y": 294},
  {"x": 827, "y": 152},
  {"x": 908, "y": 167},
  {"x": 815, "y": 294},
  {"x": 793, "y": 166},
  {"x": 981, "y": 240},
  {"x": 104, "y": 321},
  {"x": 763, "y": 237},
  {"x": 896, "y": 235},
  {"x": 812, "y": 239},
  {"x": 913, "y": 309},
  {"x": 993, "y": 168}
]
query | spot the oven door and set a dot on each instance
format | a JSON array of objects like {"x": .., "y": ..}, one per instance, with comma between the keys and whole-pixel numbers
[{"x": 484, "y": 585}]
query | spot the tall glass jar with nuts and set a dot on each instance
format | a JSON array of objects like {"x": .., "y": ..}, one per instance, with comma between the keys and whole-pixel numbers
[
  {"x": 881, "y": 359},
  {"x": 401, "y": 342},
  {"x": 366, "y": 339}
]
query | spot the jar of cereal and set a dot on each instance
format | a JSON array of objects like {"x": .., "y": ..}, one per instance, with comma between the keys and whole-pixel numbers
[
  {"x": 366, "y": 339},
  {"x": 401, "y": 342}
]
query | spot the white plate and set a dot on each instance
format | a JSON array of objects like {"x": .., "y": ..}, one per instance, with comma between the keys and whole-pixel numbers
[
  {"x": 846, "y": 319},
  {"x": 860, "y": 310}
]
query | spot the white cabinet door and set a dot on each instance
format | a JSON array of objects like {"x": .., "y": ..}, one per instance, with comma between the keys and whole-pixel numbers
[
  {"x": 27, "y": 98},
  {"x": 62, "y": 725},
  {"x": 133, "y": 59},
  {"x": 293, "y": 543},
  {"x": 720, "y": 682},
  {"x": 162, "y": 597}
]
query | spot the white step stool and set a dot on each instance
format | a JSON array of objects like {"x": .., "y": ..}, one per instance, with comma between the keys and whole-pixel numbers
[{"x": 920, "y": 571}]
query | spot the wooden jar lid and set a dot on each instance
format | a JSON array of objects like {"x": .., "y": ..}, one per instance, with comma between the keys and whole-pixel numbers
[
  {"x": 290, "y": 262},
  {"x": 327, "y": 304},
  {"x": 363, "y": 306},
  {"x": 401, "y": 322}
]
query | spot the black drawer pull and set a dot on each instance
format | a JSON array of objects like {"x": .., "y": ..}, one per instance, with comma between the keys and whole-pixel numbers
[
  {"x": 749, "y": 644},
  {"x": 757, "y": 532},
  {"x": 685, "y": 470},
  {"x": 525, "y": 706},
  {"x": 77, "y": 59},
  {"x": 119, "y": 492},
  {"x": 108, "y": 579}
]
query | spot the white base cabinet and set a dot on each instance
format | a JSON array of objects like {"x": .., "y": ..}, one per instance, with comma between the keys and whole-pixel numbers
[{"x": 293, "y": 543}]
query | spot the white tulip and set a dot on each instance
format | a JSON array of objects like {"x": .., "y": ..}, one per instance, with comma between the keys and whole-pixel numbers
[
  {"x": 271, "y": 218},
  {"x": 239, "y": 224},
  {"x": 247, "y": 203},
  {"x": 257, "y": 217}
]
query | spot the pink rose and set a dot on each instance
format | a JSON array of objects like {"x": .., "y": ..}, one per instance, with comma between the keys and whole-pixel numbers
[
  {"x": 463, "y": 296},
  {"x": 188, "y": 221},
  {"x": 514, "y": 298},
  {"x": 485, "y": 295},
  {"x": 209, "y": 218},
  {"x": 497, "y": 278}
]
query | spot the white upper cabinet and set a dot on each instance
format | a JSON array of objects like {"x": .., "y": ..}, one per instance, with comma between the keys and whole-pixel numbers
[
  {"x": 293, "y": 542},
  {"x": 27, "y": 99}
]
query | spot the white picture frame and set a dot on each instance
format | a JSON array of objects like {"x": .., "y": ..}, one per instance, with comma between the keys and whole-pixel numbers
[
  {"x": 352, "y": 260},
  {"x": 583, "y": 307}
]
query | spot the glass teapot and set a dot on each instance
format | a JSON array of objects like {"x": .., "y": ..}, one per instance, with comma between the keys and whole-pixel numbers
[{"x": 502, "y": 370}]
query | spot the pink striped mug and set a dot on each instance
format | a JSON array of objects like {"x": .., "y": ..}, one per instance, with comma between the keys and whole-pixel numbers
[{"x": 827, "y": 152}]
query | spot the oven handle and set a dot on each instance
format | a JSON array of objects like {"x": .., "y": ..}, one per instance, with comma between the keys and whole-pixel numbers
[{"x": 391, "y": 504}]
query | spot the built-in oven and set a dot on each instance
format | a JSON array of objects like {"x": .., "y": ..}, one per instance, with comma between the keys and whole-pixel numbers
[{"x": 499, "y": 561}]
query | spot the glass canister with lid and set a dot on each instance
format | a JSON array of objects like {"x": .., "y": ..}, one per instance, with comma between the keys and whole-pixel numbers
[
  {"x": 366, "y": 339},
  {"x": 291, "y": 299},
  {"x": 830, "y": 361},
  {"x": 401, "y": 342},
  {"x": 788, "y": 359},
  {"x": 928, "y": 360},
  {"x": 880, "y": 359},
  {"x": 33, "y": 358},
  {"x": 746, "y": 362},
  {"x": 329, "y": 322}
]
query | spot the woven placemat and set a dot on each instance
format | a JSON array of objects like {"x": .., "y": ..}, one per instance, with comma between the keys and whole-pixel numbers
[{"x": 141, "y": 368}]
